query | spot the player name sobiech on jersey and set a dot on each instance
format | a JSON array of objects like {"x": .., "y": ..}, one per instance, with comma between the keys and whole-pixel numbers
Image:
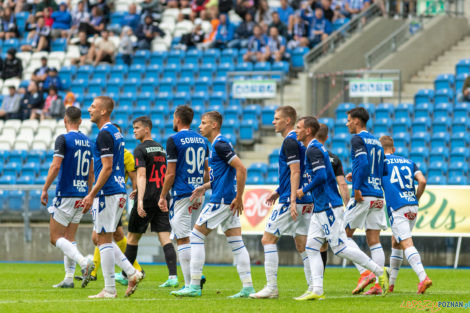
[{"x": 189, "y": 140}]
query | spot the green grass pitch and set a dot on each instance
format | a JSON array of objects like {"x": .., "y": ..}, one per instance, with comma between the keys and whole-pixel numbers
[{"x": 27, "y": 288}]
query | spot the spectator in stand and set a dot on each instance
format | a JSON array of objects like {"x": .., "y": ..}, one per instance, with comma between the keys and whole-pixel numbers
[
  {"x": 103, "y": 50},
  {"x": 11, "y": 104},
  {"x": 225, "y": 32},
  {"x": 46, "y": 4},
  {"x": 32, "y": 102},
  {"x": 307, "y": 13},
  {"x": 41, "y": 37},
  {"x": 319, "y": 29},
  {"x": 244, "y": 6},
  {"x": 256, "y": 46},
  {"x": 353, "y": 7},
  {"x": 276, "y": 47},
  {"x": 225, "y": 6},
  {"x": 70, "y": 100},
  {"x": 152, "y": 7},
  {"x": 31, "y": 24},
  {"x": 194, "y": 38},
  {"x": 52, "y": 80},
  {"x": 12, "y": 66},
  {"x": 281, "y": 27},
  {"x": 40, "y": 74},
  {"x": 53, "y": 105},
  {"x": 126, "y": 46},
  {"x": 465, "y": 96},
  {"x": 96, "y": 23},
  {"x": 62, "y": 21},
  {"x": 243, "y": 33},
  {"x": 131, "y": 18},
  {"x": 285, "y": 11},
  {"x": 48, "y": 21},
  {"x": 146, "y": 32},
  {"x": 84, "y": 48},
  {"x": 328, "y": 12},
  {"x": 79, "y": 15},
  {"x": 8, "y": 28},
  {"x": 104, "y": 8},
  {"x": 298, "y": 33},
  {"x": 198, "y": 5},
  {"x": 263, "y": 15}
]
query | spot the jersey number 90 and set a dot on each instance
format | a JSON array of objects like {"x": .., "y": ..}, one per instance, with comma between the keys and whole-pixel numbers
[{"x": 195, "y": 160}]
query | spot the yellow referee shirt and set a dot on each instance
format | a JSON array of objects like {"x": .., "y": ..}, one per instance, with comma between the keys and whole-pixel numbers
[{"x": 129, "y": 163}]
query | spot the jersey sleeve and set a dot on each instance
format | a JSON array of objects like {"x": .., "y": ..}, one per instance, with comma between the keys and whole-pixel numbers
[
  {"x": 416, "y": 169},
  {"x": 318, "y": 171},
  {"x": 291, "y": 151},
  {"x": 315, "y": 158},
  {"x": 358, "y": 146},
  {"x": 207, "y": 152},
  {"x": 171, "y": 152},
  {"x": 105, "y": 144},
  {"x": 59, "y": 146},
  {"x": 225, "y": 151},
  {"x": 337, "y": 166},
  {"x": 139, "y": 158},
  {"x": 129, "y": 163}
]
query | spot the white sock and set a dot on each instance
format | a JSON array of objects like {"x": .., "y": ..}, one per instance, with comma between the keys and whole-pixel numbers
[
  {"x": 71, "y": 251},
  {"x": 69, "y": 266},
  {"x": 307, "y": 271},
  {"x": 357, "y": 256},
  {"x": 198, "y": 256},
  {"x": 271, "y": 264},
  {"x": 352, "y": 243},
  {"x": 122, "y": 261},
  {"x": 184, "y": 256},
  {"x": 107, "y": 266},
  {"x": 242, "y": 259},
  {"x": 412, "y": 255},
  {"x": 395, "y": 262},
  {"x": 316, "y": 267},
  {"x": 377, "y": 254}
]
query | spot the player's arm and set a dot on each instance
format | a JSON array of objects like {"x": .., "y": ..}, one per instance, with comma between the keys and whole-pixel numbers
[
  {"x": 292, "y": 153},
  {"x": 237, "y": 203},
  {"x": 133, "y": 178},
  {"x": 172, "y": 158},
  {"x": 317, "y": 173},
  {"x": 141, "y": 186},
  {"x": 421, "y": 182},
  {"x": 360, "y": 166},
  {"x": 91, "y": 175},
  {"x": 341, "y": 181},
  {"x": 206, "y": 171},
  {"x": 59, "y": 153}
]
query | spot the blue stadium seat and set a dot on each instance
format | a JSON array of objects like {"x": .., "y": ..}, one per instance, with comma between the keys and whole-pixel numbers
[
  {"x": 419, "y": 154},
  {"x": 458, "y": 180},
  {"x": 262, "y": 66},
  {"x": 220, "y": 84},
  {"x": 424, "y": 95},
  {"x": 343, "y": 108},
  {"x": 96, "y": 86},
  {"x": 459, "y": 140},
  {"x": 79, "y": 86},
  {"x": 189, "y": 71},
  {"x": 136, "y": 71},
  {"x": 17, "y": 156},
  {"x": 228, "y": 56},
  {"x": 68, "y": 72},
  {"x": 244, "y": 67},
  {"x": 370, "y": 108},
  {"x": 233, "y": 112},
  {"x": 59, "y": 44},
  {"x": 15, "y": 200},
  {"x": 460, "y": 154},
  {"x": 463, "y": 67},
  {"x": 401, "y": 125},
  {"x": 252, "y": 112},
  {"x": 167, "y": 85},
  {"x": 141, "y": 57},
  {"x": 267, "y": 115},
  {"x": 193, "y": 57},
  {"x": 34, "y": 203},
  {"x": 441, "y": 139},
  {"x": 421, "y": 124},
  {"x": 458, "y": 168},
  {"x": 185, "y": 85},
  {"x": 119, "y": 71},
  {"x": 441, "y": 124},
  {"x": 459, "y": 81},
  {"x": 127, "y": 99},
  {"x": 340, "y": 141},
  {"x": 217, "y": 98},
  {"x": 171, "y": 71},
  {"x": 253, "y": 179},
  {"x": 11, "y": 43},
  {"x": 181, "y": 98},
  {"x": 297, "y": 59},
  {"x": 444, "y": 95},
  {"x": 158, "y": 57},
  {"x": 84, "y": 72},
  {"x": 420, "y": 139},
  {"x": 224, "y": 68},
  {"x": 247, "y": 133},
  {"x": 114, "y": 85},
  {"x": 423, "y": 110},
  {"x": 7, "y": 180},
  {"x": 35, "y": 156},
  {"x": 203, "y": 84},
  {"x": 462, "y": 110},
  {"x": 274, "y": 156},
  {"x": 175, "y": 57},
  {"x": 258, "y": 169},
  {"x": 153, "y": 71},
  {"x": 444, "y": 81},
  {"x": 439, "y": 154},
  {"x": 437, "y": 180},
  {"x": 384, "y": 110},
  {"x": 342, "y": 153},
  {"x": 220, "y": 108},
  {"x": 340, "y": 126},
  {"x": 25, "y": 180},
  {"x": 437, "y": 169},
  {"x": 443, "y": 110},
  {"x": 382, "y": 125},
  {"x": 199, "y": 99},
  {"x": 144, "y": 99},
  {"x": 210, "y": 56},
  {"x": 30, "y": 169},
  {"x": 207, "y": 70},
  {"x": 273, "y": 171},
  {"x": 402, "y": 151},
  {"x": 148, "y": 85},
  {"x": 328, "y": 121},
  {"x": 102, "y": 71}
]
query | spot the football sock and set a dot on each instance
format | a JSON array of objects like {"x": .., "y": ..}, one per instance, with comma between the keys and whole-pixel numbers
[
  {"x": 358, "y": 257},
  {"x": 396, "y": 258},
  {"x": 271, "y": 264},
  {"x": 131, "y": 254},
  {"x": 377, "y": 254},
  {"x": 69, "y": 265},
  {"x": 184, "y": 255},
  {"x": 307, "y": 271},
  {"x": 170, "y": 258},
  {"x": 122, "y": 244},
  {"x": 324, "y": 257},
  {"x": 198, "y": 255},
  {"x": 97, "y": 261},
  {"x": 71, "y": 251},
  {"x": 316, "y": 266},
  {"x": 242, "y": 259},
  {"x": 352, "y": 243},
  {"x": 122, "y": 261},
  {"x": 107, "y": 266},
  {"x": 412, "y": 255}
]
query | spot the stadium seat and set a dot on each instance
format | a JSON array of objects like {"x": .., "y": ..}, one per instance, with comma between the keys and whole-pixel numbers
[
  {"x": 224, "y": 68},
  {"x": 247, "y": 133},
  {"x": 340, "y": 126},
  {"x": 189, "y": 71},
  {"x": 253, "y": 179},
  {"x": 96, "y": 86},
  {"x": 401, "y": 125},
  {"x": 382, "y": 125},
  {"x": 153, "y": 71},
  {"x": 114, "y": 85},
  {"x": 421, "y": 124},
  {"x": 342, "y": 109},
  {"x": 420, "y": 139},
  {"x": 185, "y": 85},
  {"x": 458, "y": 168},
  {"x": 175, "y": 57},
  {"x": 441, "y": 139},
  {"x": 181, "y": 98},
  {"x": 274, "y": 156},
  {"x": 193, "y": 57},
  {"x": 459, "y": 140},
  {"x": 17, "y": 157},
  {"x": 164, "y": 98},
  {"x": 342, "y": 153},
  {"x": 443, "y": 110},
  {"x": 459, "y": 81},
  {"x": 444, "y": 81},
  {"x": 252, "y": 112},
  {"x": 424, "y": 95},
  {"x": 463, "y": 67},
  {"x": 437, "y": 180},
  {"x": 460, "y": 154},
  {"x": 328, "y": 121},
  {"x": 267, "y": 115},
  {"x": 149, "y": 85},
  {"x": 127, "y": 99},
  {"x": 210, "y": 56},
  {"x": 15, "y": 200},
  {"x": 437, "y": 169},
  {"x": 297, "y": 59},
  {"x": 167, "y": 85},
  {"x": 370, "y": 107},
  {"x": 207, "y": 70},
  {"x": 439, "y": 154},
  {"x": 141, "y": 57},
  {"x": 258, "y": 169},
  {"x": 203, "y": 84},
  {"x": 441, "y": 124},
  {"x": 458, "y": 180},
  {"x": 423, "y": 110},
  {"x": 244, "y": 67},
  {"x": 402, "y": 151},
  {"x": 340, "y": 141},
  {"x": 444, "y": 95},
  {"x": 419, "y": 154},
  {"x": 384, "y": 110},
  {"x": 34, "y": 203}
]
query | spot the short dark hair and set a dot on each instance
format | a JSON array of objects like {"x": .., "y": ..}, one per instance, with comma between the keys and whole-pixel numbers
[
  {"x": 145, "y": 120},
  {"x": 214, "y": 116},
  {"x": 359, "y": 113},
  {"x": 322, "y": 132},
  {"x": 311, "y": 122},
  {"x": 73, "y": 114},
  {"x": 107, "y": 102},
  {"x": 288, "y": 111},
  {"x": 118, "y": 127},
  {"x": 185, "y": 114},
  {"x": 387, "y": 142}
]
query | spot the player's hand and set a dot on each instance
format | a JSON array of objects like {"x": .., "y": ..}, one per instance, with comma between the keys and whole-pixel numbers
[
  {"x": 163, "y": 204},
  {"x": 132, "y": 194},
  {"x": 44, "y": 197},
  {"x": 293, "y": 210},
  {"x": 300, "y": 193},
  {"x": 349, "y": 177},
  {"x": 358, "y": 196},
  {"x": 271, "y": 199},
  {"x": 140, "y": 208},
  {"x": 197, "y": 193},
  {"x": 237, "y": 206},
  {"x": 87, "y": 202}
]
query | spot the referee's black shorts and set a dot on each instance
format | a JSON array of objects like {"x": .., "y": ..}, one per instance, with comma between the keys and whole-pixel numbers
[{"x": 159, "y": 221}]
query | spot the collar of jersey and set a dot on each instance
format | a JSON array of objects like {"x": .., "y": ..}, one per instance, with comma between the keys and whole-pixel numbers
[
  {"x": 74, "y": 131},
  {"x": 292, "y": 131},
  {"x": 184, "y": 129},
  {"x": 105, "y": 125},
  {"x": 363, "y": 131},
  {"x": 314, "y": 139},
  {"x": 219, "y": 135}
]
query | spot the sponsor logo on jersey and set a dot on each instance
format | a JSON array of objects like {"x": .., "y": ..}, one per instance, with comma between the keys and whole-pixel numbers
[{"x": 80, "y": 185}]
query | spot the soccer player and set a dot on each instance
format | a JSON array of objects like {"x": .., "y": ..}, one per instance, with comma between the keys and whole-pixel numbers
[
  {"x": 402, "y": 207},
  {"x": 187, "y": 169},
  {"x": 366, "y": 209},
  {"x": 291, "y": 216},
  {"x": 72, "y": 162},
  {"x": 326, "y": 222},
  {"x": 108, "y": 197},
  {"x": 224, "y": 208},
  {"x": 150, "y": 161}
]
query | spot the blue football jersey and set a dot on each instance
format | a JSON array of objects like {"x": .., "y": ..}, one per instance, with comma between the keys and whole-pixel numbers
[
  {"x": 292, "y": 151},
  {"x": 367, "y": 156},
  {"x": 399, "y": 184},
  {"x": 110, "y": 143},
  {"x": 222, "y": 175},
  {"x": 75, "y": 150},
  {"x": 189, "y": 150}
]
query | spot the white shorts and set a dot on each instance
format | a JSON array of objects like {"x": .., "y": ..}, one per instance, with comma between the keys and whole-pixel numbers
[
  {"x": 281, "y": 223},
  {"x": 66, "y": 210},
  {"x": 368, "y": 214},
  {"x": 183, "y": 215},
  {"x": 402, "y": 222},
  {"x": 107, "y": 211},
  {"x": 328, "y": 225},
  {"x": 215, "y": 214}
]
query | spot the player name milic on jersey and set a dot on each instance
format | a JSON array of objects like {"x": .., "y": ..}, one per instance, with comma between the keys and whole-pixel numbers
[{"x": 82, "y": 143}]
